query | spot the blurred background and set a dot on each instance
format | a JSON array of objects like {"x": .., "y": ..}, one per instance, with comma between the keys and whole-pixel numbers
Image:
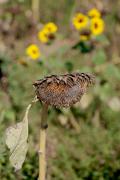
[{"x": 83, "y": 141}]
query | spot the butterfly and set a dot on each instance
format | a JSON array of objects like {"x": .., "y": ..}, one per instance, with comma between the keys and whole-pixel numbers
[{"x": 63, "y": 90}]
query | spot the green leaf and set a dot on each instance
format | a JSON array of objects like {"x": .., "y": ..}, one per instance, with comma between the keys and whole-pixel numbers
[
  {"x": 112, "y": 72},
  {"x": 69, "y": 66},
  {"x": 9, "y": 114},
  {"x": 16, "y": 140},
  {"x": 103, "y": 39},
  {"x": 99, "y": 57},
  {"x": 104, "y": 91},
  {"x": 84, "y": 47}
]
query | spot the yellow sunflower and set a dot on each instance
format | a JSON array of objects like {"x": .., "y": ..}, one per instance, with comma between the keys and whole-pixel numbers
[
  {"x": 43, "y": 35},
  {"x": 94, "y": 13},
  {"x": 80, "y": 21},
  {"x": 33, "y": 51},
  {"x": 51, "y": 27},
  {"x": 97, "y": 26}
]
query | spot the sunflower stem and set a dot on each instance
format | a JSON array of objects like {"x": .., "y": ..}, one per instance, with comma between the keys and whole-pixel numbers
[
  {"x": 42, "y": 143},
  {"x": 36, "y": 10}
]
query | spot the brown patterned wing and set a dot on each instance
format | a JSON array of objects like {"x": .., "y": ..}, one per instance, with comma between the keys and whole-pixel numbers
[{"x": 64, "y": 90}]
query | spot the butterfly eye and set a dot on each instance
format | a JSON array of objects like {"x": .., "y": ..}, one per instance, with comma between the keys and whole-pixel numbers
[{"x": 64, "y": 90}]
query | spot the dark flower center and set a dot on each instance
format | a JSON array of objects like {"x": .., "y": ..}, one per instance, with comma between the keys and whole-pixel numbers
[
  {"x": 96, "y": 25},
  {"x": 80, "y": 20},
  {"x": 51, "y": 36},
  {"x": 34, "y": 51}
]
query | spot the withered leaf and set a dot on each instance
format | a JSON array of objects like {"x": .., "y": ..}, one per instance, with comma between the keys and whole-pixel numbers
[{"x": 16, "y": 140}]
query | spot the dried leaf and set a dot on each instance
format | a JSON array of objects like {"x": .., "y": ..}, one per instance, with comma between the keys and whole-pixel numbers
[{"x": 16, "y": 140}]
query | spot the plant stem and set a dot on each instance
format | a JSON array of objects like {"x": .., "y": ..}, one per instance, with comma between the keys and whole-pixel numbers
[
  {"x": 36, "y": 10},
  {"x": 42, "y": 146}
]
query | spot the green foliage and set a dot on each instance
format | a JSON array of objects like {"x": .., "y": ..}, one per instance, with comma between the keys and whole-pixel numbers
[
  {"x": 99, "y": 57},
  {"x": 112, "y": 72},
  {"x": 84, "y": 47},
  {"x": 69, "y": 66}
]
